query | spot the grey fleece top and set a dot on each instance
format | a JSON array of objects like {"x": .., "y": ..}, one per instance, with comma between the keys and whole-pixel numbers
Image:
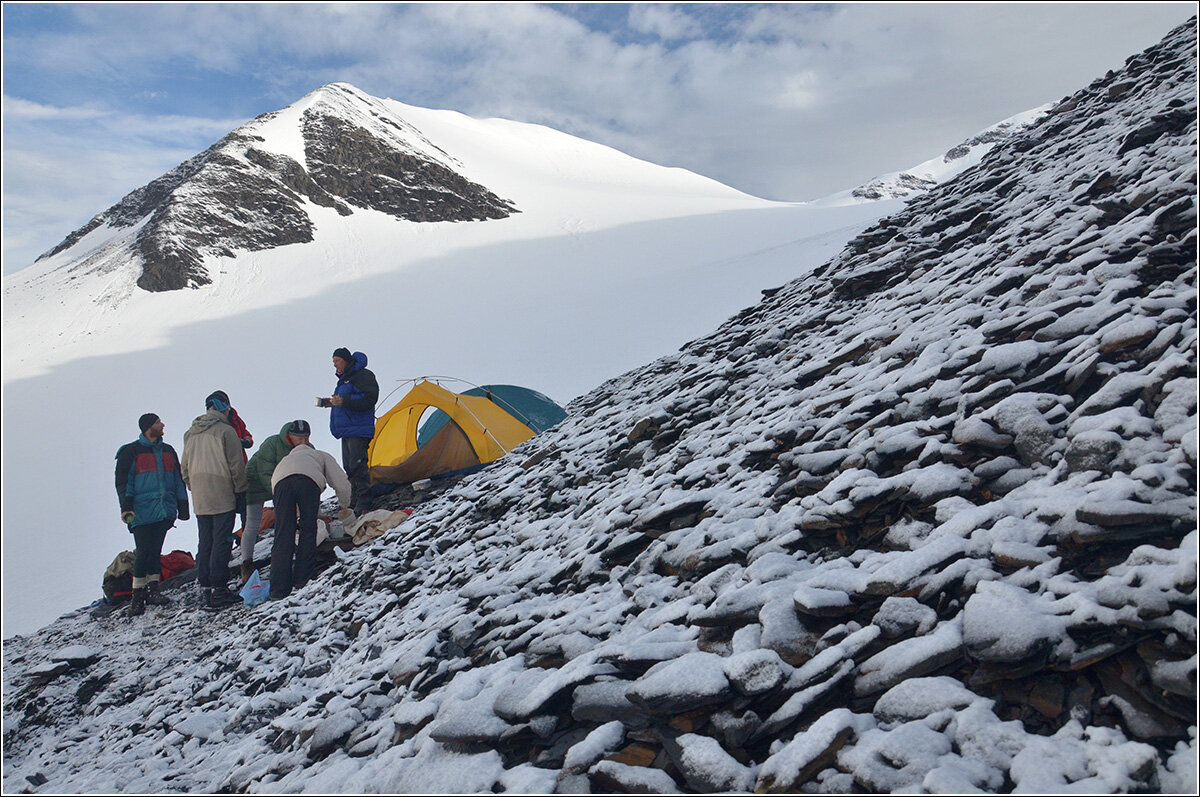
[{"x": 316, "y": 465}]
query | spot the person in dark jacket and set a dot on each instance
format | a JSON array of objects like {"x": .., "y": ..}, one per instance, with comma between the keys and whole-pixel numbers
[
  {"x": 153, "y": 497},
  {"x": 352, "y": 420}
]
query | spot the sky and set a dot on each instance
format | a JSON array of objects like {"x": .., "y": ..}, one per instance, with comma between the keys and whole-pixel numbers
[{"x": 786, "y": 101}]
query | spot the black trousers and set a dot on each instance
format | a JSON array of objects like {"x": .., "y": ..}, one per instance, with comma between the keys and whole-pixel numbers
[
  {"x": 148, "y": 541},
  {"x": 215, "y": 548},
  {"x": 297, "y": 499},
  {"x": 354, "y": 460}
]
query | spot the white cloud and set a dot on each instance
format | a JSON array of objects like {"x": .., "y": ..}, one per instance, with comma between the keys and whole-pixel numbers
[
  {"x": 664, "y": 21},
  {"x": 16, "y": 109},
  {"x": 798, "y": 91}
]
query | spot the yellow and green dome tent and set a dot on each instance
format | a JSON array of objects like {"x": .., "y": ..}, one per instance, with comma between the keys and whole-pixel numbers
[{"x": 465, "y": 430}]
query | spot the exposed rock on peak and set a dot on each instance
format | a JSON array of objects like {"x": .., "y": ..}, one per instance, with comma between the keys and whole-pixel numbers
[{"x": 368, "y": 172}]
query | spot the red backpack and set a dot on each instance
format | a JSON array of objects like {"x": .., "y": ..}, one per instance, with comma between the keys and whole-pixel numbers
[{"x": 176, "y": 562}]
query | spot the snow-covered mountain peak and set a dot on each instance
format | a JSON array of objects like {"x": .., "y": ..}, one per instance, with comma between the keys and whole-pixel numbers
[
  {"x": 335, "y": 187},
  {"x": 302, "y": 123},
  {"x": 259, "y": 188}
]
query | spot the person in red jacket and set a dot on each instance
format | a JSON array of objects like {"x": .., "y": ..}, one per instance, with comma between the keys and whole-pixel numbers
[{"x": 239, "y": 426}]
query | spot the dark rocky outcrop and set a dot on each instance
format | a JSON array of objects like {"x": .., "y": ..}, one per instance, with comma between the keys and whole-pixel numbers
[{"x": 351, "y": 163}]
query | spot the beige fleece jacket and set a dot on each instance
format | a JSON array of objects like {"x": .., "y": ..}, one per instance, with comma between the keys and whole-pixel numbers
[
  {"x": 322, "y": 468},
  {"x": 212, "y": 465}
]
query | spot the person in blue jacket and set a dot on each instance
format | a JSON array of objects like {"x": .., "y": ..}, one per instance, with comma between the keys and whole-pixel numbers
[
  {"x": 352, "y": 420},
  {"x": 152, "y": 495}
]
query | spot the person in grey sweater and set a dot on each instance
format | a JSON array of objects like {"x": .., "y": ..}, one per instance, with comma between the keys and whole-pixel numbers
[{"x": 297, "y": 483}]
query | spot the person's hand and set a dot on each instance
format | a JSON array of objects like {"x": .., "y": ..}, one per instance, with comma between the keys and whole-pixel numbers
[
  {"x": 336, "y": 401},
  {"x": 128, "y": 517},
  {"x": 239, "y": 503},
  {"x": 346, "y": 515}
]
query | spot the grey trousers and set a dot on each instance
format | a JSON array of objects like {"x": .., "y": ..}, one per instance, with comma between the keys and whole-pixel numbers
[{"x": 254, "y": 514}]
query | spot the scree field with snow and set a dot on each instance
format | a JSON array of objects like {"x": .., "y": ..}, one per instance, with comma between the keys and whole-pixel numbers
[{"x": 868, "y": 495}]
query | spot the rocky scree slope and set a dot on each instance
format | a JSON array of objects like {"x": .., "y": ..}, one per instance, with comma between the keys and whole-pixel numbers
[
  {"x": 243, "y": 194},
  {"x": 925, "y": 521}
]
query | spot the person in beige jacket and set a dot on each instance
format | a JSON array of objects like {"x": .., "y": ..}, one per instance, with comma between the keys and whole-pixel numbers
[
  {"x": 214, "y": 469},
  {"x": 297, "y": 483}
]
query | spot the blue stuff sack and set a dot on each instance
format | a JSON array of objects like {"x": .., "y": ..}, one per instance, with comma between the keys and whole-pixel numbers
[{"x": 256, "y": 590}]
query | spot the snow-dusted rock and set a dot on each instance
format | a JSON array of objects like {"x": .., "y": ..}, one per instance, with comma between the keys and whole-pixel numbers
[
  {"x": 613, "y": 776},
  {"x": 918, "y": 698},
  {"x": 810, "y": 751},
  {"x": 899, "y": 617},
  {"x": 706, "y": 767},
  {"x": 911, "y": 658},
  {"x": 692, "y": 681},
  {"x": 1003, "y": 623},
  {"x": 754, "y": 672}
]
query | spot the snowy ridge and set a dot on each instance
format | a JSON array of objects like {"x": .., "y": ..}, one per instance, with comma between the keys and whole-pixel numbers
[
  {"x": 956, "y": 160},
  {"x": 922, "y": 521}
]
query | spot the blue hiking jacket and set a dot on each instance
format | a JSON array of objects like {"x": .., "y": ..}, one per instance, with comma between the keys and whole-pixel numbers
[
  {"x": 149, "y": 483},
  {"x": 356, "y": 417}
]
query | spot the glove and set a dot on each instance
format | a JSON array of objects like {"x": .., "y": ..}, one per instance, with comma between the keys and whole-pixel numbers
[
  {"x": 128, "y": 517},
  {"x": 239, "y": 503},
  {"x": 184, "y": 512},
  {"x": 247, "y": 442}
]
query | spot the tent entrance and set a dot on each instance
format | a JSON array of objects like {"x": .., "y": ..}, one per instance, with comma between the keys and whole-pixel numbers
[{"x": 448, "y": 450}]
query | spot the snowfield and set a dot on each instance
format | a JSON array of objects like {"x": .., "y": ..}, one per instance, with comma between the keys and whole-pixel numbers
[{"x": 922, "y": 520}]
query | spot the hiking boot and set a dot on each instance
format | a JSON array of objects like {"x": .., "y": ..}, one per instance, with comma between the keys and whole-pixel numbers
[
  {"x": 247, "y": 571},
  {"x": 221, "y": 598},
  {"x": 154, "y": 595},
  {"x": 137, "y": 603}
]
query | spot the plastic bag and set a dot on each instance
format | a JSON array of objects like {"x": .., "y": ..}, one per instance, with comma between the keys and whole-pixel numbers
[{"x": 256, "y": 590}]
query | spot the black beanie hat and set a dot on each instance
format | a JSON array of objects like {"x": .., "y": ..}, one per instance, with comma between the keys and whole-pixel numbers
[
  {"x": 146, "y": 421},
  {"x": 300, "y": 428},
  {"x": 344, "y": 353}
]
